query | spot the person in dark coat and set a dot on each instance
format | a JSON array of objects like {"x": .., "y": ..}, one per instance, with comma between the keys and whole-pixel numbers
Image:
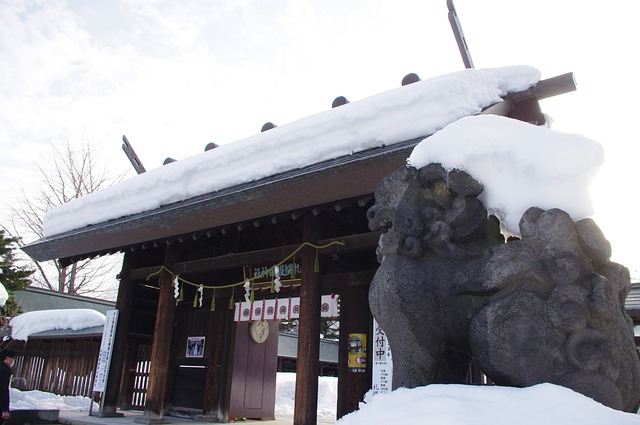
[{"x": 6, "y": 361}]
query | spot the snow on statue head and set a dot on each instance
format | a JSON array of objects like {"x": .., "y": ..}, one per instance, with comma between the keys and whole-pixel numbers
[{"x": 547, "y": 306}]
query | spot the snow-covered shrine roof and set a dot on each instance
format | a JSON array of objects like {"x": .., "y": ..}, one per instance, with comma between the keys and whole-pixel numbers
[{"x": 288, "y": 168}]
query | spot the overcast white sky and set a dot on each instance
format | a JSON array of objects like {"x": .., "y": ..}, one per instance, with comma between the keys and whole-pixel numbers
[{"x": 174, "y": 76}]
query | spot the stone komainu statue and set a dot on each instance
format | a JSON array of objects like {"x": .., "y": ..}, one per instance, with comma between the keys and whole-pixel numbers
[{"x": 548, "y": 307}]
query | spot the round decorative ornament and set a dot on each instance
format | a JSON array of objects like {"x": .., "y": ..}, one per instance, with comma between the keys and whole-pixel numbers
[{"x": 259, "y": 331}]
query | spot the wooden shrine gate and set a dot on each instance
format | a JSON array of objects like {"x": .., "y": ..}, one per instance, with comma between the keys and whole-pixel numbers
[{"x": 206, "y": 382}]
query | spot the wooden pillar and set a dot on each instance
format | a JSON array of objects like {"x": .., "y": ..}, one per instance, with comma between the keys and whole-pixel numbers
[
  {"x": 124, "y": 305},
  {"x": 306, "y": 404},
  {"x": 355, "y": 317},
  {"x": 215, "y": 403},
  {"x": 161, "y": 348}
]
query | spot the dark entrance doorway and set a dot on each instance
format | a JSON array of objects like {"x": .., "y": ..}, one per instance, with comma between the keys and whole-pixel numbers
[{"x": 191, "y": 358}]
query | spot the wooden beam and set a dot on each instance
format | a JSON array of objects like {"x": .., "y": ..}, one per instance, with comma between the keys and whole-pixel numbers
[
  {"x": 161, "y": 348},
  {"x": 235, "y": 260},
  {"x": 546, "y": 88},
  {"x": 133, "y": 157},
  {"x": 353, "y": 243},
  {"x": 528, "y": 110},
  {"x": 550, "y": 87},
  {"x": 306, "y": 397},
  {"x": 459, "y": 35},
  {"x": 355, "y": 318},
  {"x": 340, "y": 281},
  {"x": 142, "y": 273},
  {"x": 124, "y": 305},
  {"x": 501, "y": 108},
  {"x": 329, "y": 282}
]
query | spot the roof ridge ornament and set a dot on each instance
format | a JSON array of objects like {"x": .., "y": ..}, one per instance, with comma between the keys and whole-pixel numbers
[{"x": 457, "y": 31}]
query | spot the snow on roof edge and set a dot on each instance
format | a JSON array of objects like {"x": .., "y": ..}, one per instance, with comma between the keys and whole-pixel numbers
[
  {"x": 387, "y": 118},
  {"x": 34, "y": 322}
]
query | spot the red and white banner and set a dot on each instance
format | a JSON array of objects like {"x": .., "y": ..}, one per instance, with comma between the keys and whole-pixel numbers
[
  {"x": 294, "y": 310},
  {"x": 258, "y": 310},
  {"x": 282, "y": 309},
  {"x": 243, "y": 311},
  {"x": 329, "y": 306},
  {"x": 269, "y": 309}
]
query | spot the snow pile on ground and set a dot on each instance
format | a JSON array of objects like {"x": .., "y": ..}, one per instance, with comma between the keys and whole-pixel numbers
[
  {"x": 28, "y": 400},
  {"x": 432, "y": 405},
  {"x": 482, "y": 405}
]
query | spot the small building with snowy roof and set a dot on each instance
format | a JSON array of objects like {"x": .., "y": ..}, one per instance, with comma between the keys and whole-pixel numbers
[{"x": 57, "y": 338}]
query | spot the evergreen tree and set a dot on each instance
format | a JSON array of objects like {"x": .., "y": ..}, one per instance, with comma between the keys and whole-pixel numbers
[{"x": 12, "y": 276}]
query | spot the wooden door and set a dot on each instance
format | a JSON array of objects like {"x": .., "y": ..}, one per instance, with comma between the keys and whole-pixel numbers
[{"x": 253, "y": 385}]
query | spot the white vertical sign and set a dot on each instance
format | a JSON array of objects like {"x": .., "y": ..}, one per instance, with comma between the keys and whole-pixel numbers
[
  {"x": 106, "y": 348},
  {"x": 382, "y": 372}
]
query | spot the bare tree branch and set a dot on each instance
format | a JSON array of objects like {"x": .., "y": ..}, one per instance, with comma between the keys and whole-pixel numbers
[{"x": 67, "y": 173}]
